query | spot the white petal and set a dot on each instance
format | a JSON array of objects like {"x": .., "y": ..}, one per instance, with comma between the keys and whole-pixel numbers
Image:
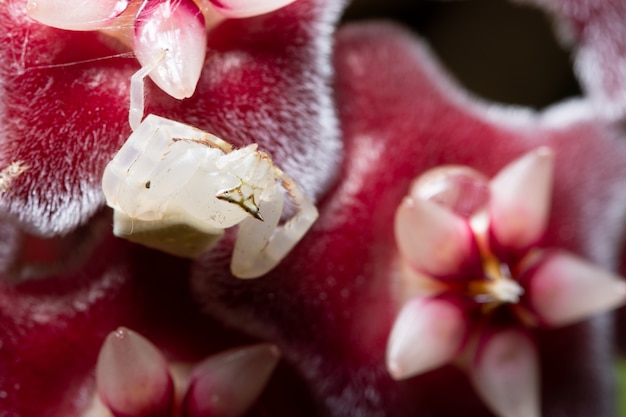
[
  {"x": 520, "y": 199},
  {"x": 427, "y": 334},
  {"x": 177, "y": 28},
  {"x": 432, "y": 238},
  {"x": 247, "y": 8},
  {"x": 413, "y": 283},
  {"x": 227, "y": 384},
  {"x": 506, "y": 375},
  {"x": 565, "y": 289},
  {"x": 132, "y": 376},
  {"x": 461, "y": 189},
  {"x": 76, "y": 15}
]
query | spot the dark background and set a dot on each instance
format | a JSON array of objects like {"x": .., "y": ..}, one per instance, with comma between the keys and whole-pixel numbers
[{"x": 499, "y": 50}]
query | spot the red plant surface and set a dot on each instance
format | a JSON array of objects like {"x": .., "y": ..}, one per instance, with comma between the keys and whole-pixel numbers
[{"x": 353, "y": 116}]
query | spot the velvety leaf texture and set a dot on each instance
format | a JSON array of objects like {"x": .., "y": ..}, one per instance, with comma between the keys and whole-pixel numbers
[
  {"x": 65, "y": 105},
  {"x": 595, "y": 31}
]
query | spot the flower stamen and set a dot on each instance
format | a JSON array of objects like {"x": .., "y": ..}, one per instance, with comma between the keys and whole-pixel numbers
[{"x": 497, "y": 287}]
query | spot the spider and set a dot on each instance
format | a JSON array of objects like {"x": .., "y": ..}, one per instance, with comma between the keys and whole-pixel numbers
[{"x": 177, "y": 188}]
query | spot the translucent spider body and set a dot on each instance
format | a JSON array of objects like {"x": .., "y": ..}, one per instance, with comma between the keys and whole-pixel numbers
[{"x": 176, "y": 188}]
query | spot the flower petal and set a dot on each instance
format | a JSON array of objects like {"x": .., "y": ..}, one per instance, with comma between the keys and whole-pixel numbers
[
  {"x": 247, "y": 8},
  {"x": 463, "y": 190},
  {"x": 132, "y": 376},
  {"x": 565, "y": 289},
  {"x": 506, "y": 374},
  {"x": 427, "y": 334},
  {"x": 76, "y": 15},
  {"x": 176, "y": 28},
  {"x": 227, "y": 384},
  {"x": 520, "y": 199},
  {"x": 432, "y": 238}
]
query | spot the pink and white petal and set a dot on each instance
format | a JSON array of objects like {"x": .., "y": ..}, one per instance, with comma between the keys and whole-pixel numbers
[
  {"x": 520, "y": 199},
  {"x": 413, "y": 283},
  {"x": 461, "y": 189},
  {"x": 427, "y": 334},
  {"x": 247, "y": 8},
  {"x": 227, "y": 384},
  {"x": 132, "y": 376},
  {"x": 76, "y": 15},
  {"x": 505, "y": 374},
  {"x": 432, "y": 238},
  {"x": 565, "y": 289},
  {"x": 173, "y": 36}
]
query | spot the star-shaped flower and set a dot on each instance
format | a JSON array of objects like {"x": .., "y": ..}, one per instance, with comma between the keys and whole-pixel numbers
[
  {"x": 173, "y": 32},
  {"x": 339, "y": 289},
  {"x": 133, "y": 378},
  {"x": 486, "y": 279}
]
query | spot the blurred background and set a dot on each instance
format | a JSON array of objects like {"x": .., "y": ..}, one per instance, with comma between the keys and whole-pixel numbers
[{"x": 500, "y": 50}]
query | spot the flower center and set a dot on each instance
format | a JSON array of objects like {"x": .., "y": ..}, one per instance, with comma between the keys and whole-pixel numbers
[
  {"x": 497, "y": 287},
  {"x": 505, "y": 290}
]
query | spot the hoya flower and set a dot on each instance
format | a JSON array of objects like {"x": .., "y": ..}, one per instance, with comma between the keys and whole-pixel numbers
[
  {"x": 340, "y": 287},
  {"x": 471, "y": 245},
  {"x": 167, "y": 36},
  {"x": 133, "y": 378}
]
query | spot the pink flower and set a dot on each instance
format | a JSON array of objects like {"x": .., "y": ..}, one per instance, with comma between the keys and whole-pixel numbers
[
  {"x": 338, "y": 290},
  {"x": 134, "y": 379},
  {"x": 477, "y": 240},
  {"x": 177, "y": 29}
]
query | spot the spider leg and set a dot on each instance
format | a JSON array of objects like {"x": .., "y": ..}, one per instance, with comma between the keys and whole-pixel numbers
[
  {"x": 261, "y": 245},
  {"x": 209, "y": 140},
  {"x": 137, "y": 104}
]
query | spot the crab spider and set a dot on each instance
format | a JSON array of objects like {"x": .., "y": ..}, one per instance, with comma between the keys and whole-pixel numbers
[{"x": 176, "y": 188}]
